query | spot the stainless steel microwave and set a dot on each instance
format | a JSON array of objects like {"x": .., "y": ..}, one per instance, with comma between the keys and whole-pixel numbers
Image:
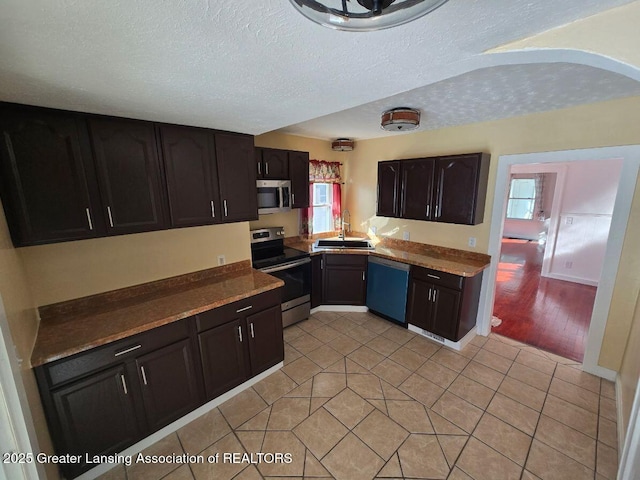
[{"x": 274, "y": 196}]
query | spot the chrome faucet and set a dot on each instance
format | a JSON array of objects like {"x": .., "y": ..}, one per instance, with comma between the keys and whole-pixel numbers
[{"x": 345, "y": 213}]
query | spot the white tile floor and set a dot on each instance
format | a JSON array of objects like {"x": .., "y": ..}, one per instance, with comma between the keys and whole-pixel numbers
[{"x": 360, "y": 398}]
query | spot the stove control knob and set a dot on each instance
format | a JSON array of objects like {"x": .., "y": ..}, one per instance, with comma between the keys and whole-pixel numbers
[{"x": 280, "y": 232}]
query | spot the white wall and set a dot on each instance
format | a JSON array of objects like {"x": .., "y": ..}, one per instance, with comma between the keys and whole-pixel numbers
[{"x": 587, "y": 201}]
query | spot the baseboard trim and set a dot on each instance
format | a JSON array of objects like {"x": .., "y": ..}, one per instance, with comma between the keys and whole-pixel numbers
[
  {"x": 601, "y": 372},
  {"x": 568, "y": 278},
  {"x": 459, "y": 345},
  {"x": 621, "y": 433},
  {"x": 181, "y": 422}
]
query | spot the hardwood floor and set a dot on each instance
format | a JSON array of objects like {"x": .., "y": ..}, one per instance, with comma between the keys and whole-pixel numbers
[{"x": 550, "y": 314}]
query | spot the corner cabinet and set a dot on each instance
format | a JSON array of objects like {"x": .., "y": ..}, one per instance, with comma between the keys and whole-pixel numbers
[
  {"x": 344, "y": 279},
  {"x": 47, "y": 178},
  {"x": 449, "y": 189},
  {"x": 442, "y": 303}
]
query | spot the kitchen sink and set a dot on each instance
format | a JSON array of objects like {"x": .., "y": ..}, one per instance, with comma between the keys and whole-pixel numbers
[{"x": 362, "y": 243}]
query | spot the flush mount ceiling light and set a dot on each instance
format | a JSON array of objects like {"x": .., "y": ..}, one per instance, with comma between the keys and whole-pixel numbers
[
  {"x": 342, "y": 145},
  {"x": 400, "y": 119},
  {"x": 364, "y": 15}
]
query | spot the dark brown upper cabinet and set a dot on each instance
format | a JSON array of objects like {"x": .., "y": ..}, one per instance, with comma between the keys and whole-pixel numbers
[
  {"x": 129, "y": 175},
  {"x": 47, "y": 180},
  {"x": 237, "y": 176},
  {"x": 299, "y": 175},
  {"x": 192, "y": 177},
  {"x": 272, "y": 163},
  {"x": 461, "y": 188},
  {"x": 388, "y": 189},
  {"x": 448, "y": 189},
  {"x": 416, "y": 189}
]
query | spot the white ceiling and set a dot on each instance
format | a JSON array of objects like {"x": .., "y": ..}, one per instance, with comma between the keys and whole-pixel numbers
[{"x": 256, "y": 66}]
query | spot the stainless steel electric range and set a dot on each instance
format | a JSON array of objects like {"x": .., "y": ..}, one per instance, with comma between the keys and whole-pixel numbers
[{"x": 269, "y": 255}]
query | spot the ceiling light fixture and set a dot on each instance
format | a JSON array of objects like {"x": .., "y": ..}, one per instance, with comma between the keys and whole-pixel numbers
[
  {"x": 400, "y": 119},
  {"x": 364, "y": 15},
  {"x": 342, "y": 145}
]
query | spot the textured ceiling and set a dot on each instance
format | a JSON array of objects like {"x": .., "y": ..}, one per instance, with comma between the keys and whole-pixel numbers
[{"x": 256, "y": 66}]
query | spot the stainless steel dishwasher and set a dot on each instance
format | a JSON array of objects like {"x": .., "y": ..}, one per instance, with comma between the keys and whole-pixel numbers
[{"x": 387, "y": 285}]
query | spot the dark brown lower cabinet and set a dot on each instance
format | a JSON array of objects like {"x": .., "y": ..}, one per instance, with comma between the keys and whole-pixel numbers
[
  {"x": 442, "y": 303},
  {"x": 239, "y": 341},
  {"x": 169, "y": 383},
  {"x": 344, "y": 279},
  {"x": 316, "y": 280}
]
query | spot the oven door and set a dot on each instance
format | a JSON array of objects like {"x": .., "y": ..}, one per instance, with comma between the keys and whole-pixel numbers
[
  {"x": 297, "y": 281},
  {"x": 273, "y": 196}
]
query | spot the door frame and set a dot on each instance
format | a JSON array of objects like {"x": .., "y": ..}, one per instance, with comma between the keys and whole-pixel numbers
[
  {"x": 622, "y": 208},
  {"x": 21, "y": 435}
]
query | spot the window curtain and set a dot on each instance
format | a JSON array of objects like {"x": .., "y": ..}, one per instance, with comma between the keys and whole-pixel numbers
[
  {"x": 321, "y": 171},
  {"x": 538, "y": 213}
]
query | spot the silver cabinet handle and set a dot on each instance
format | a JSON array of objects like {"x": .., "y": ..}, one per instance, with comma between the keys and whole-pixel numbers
[
  {"x": 435, "y": 291},
  {"x": 251, "y": 329},
  {"x": 226, "y": 212},
  {"x": 144, "y": 375},
  {"x": 428, "y": 210},
  {"x": 244, "y": 309},
  {"x": 437, "y": 211},
  {"x": 122, "y": 352},
  {"x": 240, "y": 333},
  {"x": 259, "y": 169},
  {"x": 266, "y": 168},
  {"x": 429, "y": 293},
  {"x": 89, "y": 218},
  {"x": 363, "y": 276},
  {"x": 433, "y": 276},
  {"x": 110, "y": 216},
  {"x": 293, "y": 198},
  {"x": 213, "y": 209},
  {"x": 321, "y": 264},
  {"x": 124, "y": 384}
]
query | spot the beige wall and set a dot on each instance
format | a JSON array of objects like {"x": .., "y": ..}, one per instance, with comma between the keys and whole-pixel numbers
[
  {"x": 68, "y": 270},
  {"x": 630, "y": 369},
  {"x": 23, "y": 324},
  {"x": 605, "y": 124},
  {"x": 318, "y": 150}
]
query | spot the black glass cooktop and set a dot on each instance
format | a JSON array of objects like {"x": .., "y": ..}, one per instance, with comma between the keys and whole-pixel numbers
[{"x": 267, "y": 257}]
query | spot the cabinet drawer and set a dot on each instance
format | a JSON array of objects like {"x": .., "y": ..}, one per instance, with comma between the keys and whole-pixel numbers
[
  {"x": 351, "y": 260},
  {"x": 437, "y": 278},
  {"x": 226, "y": 313},
  {"x": 116, "y": 352}
]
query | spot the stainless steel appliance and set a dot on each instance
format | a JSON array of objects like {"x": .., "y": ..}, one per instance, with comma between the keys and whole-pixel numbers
[
  {"x": 269, "y": 255},
  {"x": 274, "y": 196}
]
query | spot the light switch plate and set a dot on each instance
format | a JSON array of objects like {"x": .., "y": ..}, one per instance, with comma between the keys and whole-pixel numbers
[
  {"x": 405, "y": 235},
  {"x": 472, "y": 241},
  {"x": 221, "y": 260}
]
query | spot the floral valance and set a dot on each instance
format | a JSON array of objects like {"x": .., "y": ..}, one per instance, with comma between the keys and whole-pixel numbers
[{"x": 321, "y": 171}]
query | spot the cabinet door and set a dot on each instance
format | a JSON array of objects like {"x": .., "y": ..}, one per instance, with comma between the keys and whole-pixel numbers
[
  {"x": 446, "y": 312},
  {"x": 222, "y": 350},
  {"x": 48, "y": 184},
  {"x": 129, "y": 174},
  {"x": 237, "y": 177},
  {"x": 419, "y": 305},
  {"x": 192, "y": 178},
  {"x": 97, "y": 415},
  {"x": 457, "y": 188},
  {"x": 344, "y": 285},
  {"x": 275, "y": 164},
  {"x": 416, "y": 188},
  {"x": 388, "y": 189},
  {"x": 169, "y": 383},
  {"x": 299, "y": 175},
  {"x": 266, "y": 345}
]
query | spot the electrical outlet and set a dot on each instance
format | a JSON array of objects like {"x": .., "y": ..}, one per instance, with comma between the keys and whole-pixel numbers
[
  {"x": 405, "y": 235},
  {"x": 569, "y": 220},
  {"x": 221, "y": 260},
  {"x": 568, "y": 265},
  {"x": 374, "y": 229},
  {"x": 472, "y": 241}
]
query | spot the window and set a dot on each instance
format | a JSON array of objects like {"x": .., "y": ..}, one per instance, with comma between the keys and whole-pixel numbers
[
  {"x": 522, "y": 198},
  {"x": 322, "y": 207}
]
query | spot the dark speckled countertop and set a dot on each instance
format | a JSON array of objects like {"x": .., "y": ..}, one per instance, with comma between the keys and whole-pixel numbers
[
  {"x": 72, "y": 327},
  {"x": 458, "y": 262}
]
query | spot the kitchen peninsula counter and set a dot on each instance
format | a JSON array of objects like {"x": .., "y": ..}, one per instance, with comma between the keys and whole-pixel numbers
[{"x": 75, "y": 326}]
